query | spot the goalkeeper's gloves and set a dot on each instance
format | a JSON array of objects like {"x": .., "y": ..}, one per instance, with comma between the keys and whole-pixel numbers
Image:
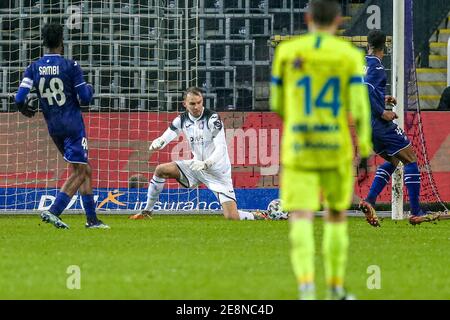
[
  {"x": 363, "y": 170},
  {"x": 157, "y": 144},
  {"x": 30, "y": 106},
  {"x": 197, "y": 165}
]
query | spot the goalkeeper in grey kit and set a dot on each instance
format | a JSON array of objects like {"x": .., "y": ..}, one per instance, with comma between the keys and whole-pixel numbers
[{"x": 210, "y": 164}]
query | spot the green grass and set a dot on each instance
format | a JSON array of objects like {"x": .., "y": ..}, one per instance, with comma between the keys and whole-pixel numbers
[{"x": 207, "y": 257}]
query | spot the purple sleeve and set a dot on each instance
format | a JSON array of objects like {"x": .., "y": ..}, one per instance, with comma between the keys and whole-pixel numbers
[
  {"x": 375, "y": 77},
  {"x": 84, "y": 90},
  {"x": 376, "y": 101}
]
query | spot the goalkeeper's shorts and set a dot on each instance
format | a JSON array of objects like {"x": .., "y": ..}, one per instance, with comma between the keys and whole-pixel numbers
[
  {"x": 306, "y": 190},
  {"x": 215, "y": 179},
  {"x": 73, "y": 148}
]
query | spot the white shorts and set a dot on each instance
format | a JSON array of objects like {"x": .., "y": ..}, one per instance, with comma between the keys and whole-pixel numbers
[{"x": 216, "y": 180}]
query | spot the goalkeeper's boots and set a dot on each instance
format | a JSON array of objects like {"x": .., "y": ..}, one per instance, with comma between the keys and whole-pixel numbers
[
  {"x": 96, "y": 224},
  {"x": 428, "y": 217},
  {"x": 48, "y": 217},
  {"x": 261, "y": 215},
  {"x": 143, "y": 215},
  {"x": 370, "y": 213},
  {"x": 339, "y": 294}
]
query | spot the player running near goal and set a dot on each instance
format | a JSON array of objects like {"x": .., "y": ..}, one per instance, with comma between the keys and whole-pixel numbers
[
  {"x": 59, "y": 81},
  {"x": 390, "y": 142},
  {"x": 317, "y": 85},
  {"x": 210, "y": 165}
]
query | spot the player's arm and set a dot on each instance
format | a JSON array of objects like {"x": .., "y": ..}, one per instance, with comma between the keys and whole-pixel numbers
[
  {"x": 84, "y": 90},
  {"x": 220, "y": 145},
  {"x": 171, "y": 133},
  {"x": 376, "y": 103},
  {"x": 374, "y": 77},
  {"x": 276, "y": 87},
  {"x": 26, "y": 103},
  {"x": 360, "y": 105}
]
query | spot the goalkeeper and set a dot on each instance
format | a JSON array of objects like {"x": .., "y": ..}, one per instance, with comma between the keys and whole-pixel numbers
[
  {"x": 317, "y": 83},
  {"x": 210, "y": 165}
]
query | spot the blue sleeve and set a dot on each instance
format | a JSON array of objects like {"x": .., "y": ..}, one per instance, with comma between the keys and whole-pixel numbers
[
  {"x": 84, "y": 91},
  {"x": 21, "y": 95},
  {"x": 376, "y": 105},
  {"x": 375, "y": 76},
  {"x": 25, "y": 85},
  {"x": 376, "y": 81}
]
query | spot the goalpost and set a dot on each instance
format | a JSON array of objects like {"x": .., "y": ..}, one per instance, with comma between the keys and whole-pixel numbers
[
  {"x": 140, "y": 56},
  {"x": 398, "y": 91}
]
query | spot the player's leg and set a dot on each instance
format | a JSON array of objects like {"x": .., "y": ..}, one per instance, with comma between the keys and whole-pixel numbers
[
  {"x": 156, "y": 185},
  {"x": 69, "y": 188},
  {"x": 231, "y": 212},
  {"x": 381, "y": 179},
  {"x": 300, "y": 197},
  {"x": 412, "y": 183},
  {"x": 63, "y": 197},
  {"x": 74, "y": 150},
  {"x": 221, "y": 184},
  {"x": 411, "y": 178},
  {"x": 338, "y": 189},
  {"x": 87, "y": 196},
  {"x": 301, "y": 238},
  {"x": 335, "y": 252}
]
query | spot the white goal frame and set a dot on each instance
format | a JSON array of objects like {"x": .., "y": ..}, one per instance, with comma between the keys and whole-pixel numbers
[{"x": 398, "y": 90}]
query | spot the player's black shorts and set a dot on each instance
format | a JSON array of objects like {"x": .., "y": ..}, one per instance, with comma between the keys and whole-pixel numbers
[{"x": 389, "y": 139}]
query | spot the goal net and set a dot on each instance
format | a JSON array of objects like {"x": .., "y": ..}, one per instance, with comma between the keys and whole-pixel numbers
[
  {"x": 414, "y": 125},
  {"x": 140, "y": 56},
  {"x": 359, "y": 18}
]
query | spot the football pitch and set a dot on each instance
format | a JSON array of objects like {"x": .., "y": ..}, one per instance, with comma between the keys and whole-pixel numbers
[{"x": 179, "y": 257}]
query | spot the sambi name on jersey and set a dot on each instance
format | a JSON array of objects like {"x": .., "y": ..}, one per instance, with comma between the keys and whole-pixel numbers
[{"x": 49, "y": 70}]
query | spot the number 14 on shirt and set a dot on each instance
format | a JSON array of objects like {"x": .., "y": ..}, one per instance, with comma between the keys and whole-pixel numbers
[{"x": 332, "y": 84}]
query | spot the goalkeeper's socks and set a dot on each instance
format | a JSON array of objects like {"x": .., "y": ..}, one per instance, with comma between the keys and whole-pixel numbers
[
  {"x": 412, "y": 182},
  {"x": 61, "y": 202},
  {"x": 89, "y": 205},
  {"x": 155, "y": 187},
  {"x": 382, "y": 177},
  {"x": 245, "y": 215},
  {"x": 301, "y": 236},
  {"x": 335, "y": 251}
]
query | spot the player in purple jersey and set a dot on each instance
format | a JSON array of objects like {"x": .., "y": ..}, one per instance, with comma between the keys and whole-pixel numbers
[
  {"x": 61, "y": 88},
  {"x": 389, "y": 141}
]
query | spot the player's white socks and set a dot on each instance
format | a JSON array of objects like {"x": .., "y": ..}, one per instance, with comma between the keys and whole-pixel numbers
[
  {"x": 245, "y": 215},
  {"x": 155, "y": 187}
]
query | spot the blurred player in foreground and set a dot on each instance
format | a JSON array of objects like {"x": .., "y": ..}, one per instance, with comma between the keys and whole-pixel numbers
[
  {"x": 59, "y": 81},
  {"x": 210, "y": 165},
  {"x": 317, "y": 84},
  {"x": 390, "y": 142}
]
